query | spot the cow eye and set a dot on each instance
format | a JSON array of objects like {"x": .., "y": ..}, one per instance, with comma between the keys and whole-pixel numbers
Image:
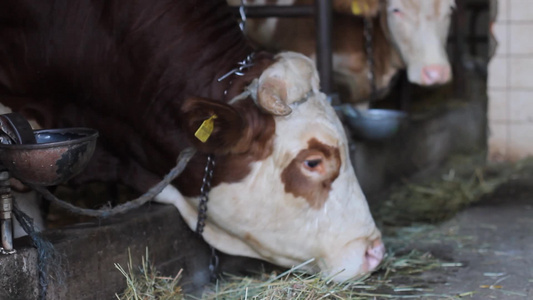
[
  {"x": 396, "y": 11},
  {"x": 313, "y": 163}
]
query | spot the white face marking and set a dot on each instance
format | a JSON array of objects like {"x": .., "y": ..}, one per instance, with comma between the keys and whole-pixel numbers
[
  {"x": 419, "y": 28},
  {"x": 257, "y": 217}
]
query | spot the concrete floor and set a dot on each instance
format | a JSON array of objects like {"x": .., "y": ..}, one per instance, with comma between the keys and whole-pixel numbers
[{"x": 493, "y": 241}]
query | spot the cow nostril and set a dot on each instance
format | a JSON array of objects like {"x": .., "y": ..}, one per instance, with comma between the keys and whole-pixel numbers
[
  {"x": 435, "y": 74},
  {"x": 431, "y": 76},
  {"x": 374, "y": 254}
]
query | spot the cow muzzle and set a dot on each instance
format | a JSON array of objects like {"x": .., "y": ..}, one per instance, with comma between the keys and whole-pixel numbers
[
  {"x": 374, "y": 254},
  {"x": 355, "y": 259},
  {"x": 435, "y": 74}
]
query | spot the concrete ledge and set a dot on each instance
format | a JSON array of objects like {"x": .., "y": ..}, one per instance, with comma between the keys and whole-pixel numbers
[{"x": 91, "y": 249}]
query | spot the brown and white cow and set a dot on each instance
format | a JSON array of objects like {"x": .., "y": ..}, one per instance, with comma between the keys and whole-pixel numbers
[
  {"x": 408, "y": 34},
  {"x": 145, "y": 74}
]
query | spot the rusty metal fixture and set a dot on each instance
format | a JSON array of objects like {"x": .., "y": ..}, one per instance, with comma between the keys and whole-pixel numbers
[
  {"x": 57, "y": 156},
  {"x": 6, "y": 207},
  {"x": 42, "y": 157},
  {"x": 17, "y": 128}
]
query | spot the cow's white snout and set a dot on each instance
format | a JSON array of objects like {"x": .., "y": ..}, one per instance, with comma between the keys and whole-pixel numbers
[
  {"x": 374, "y": 254},
  {"x": 435, "y": 74}
]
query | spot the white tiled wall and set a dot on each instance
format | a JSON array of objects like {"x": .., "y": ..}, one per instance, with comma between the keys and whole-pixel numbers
[{"x": 510, "y": 82}]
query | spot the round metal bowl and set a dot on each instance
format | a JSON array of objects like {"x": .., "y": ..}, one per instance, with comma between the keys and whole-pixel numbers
[
  {"x": 373, "y": 124},
  {"x": 58, "y": 155}
]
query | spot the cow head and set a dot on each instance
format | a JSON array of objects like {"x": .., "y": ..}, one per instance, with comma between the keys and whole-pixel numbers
[
  {"x": 299, "y": 198},
  {"x": 419, "y": 29}
]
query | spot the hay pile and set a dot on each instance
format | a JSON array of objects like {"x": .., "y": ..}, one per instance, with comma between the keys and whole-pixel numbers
[
  {"x": 434, "y": 200},
  {"x": 145, "y": 283},
  {"x": 294, "y": 284}
]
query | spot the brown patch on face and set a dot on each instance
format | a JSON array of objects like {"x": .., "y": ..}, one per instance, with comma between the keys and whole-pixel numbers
[
  {"x": 437, "y": 8},
  {"x": 311, "y": 173}
]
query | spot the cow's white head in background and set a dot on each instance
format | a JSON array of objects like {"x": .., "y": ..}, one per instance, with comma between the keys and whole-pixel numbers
[
  {"x": 419, "y": 30},
  {"x": 301, "y": 200},
  {"x": 408, "y": 34}
]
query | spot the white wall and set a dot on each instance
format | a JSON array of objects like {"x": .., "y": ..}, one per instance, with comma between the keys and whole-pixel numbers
[{"x": 510, "y": 82}]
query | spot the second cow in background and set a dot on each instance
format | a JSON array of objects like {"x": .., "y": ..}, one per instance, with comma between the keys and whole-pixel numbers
[{"x": 407, "y": 34}]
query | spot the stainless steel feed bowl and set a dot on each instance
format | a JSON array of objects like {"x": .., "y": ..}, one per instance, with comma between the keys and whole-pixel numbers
[
  {"x": 58, "y": 155},
  {"x": 373, "y": 124}
]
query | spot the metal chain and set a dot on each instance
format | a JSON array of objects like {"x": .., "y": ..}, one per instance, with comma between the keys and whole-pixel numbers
[
  {"x": 242, "y": 13},
  {"x": 202, "y": 212},
  {"x": 369, "y": 49},
  {"x": 242, "y": 65},
  {"x": 204, "y": 191},
  {"x": 213, "y": 264},
  {"x": 239, "y": 71}
]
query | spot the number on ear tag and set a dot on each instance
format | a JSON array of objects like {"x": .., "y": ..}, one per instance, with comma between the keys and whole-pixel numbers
[{"x": 206, "y": 129}]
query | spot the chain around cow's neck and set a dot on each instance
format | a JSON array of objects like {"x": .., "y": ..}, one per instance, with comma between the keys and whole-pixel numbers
[
  {"x": 242, "y": 66},
  {"x": 202, "y": 212},
  {"x": 204, "y": 191},
  {"x": 368, "y": 32}
]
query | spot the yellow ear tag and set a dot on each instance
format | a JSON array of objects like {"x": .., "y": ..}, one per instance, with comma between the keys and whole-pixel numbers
[
  {"x": 204, "y": 131},
  {"x": 358, "y": 10}
]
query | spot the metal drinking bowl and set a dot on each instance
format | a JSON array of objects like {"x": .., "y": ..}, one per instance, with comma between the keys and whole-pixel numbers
[
  {"x": 58, "y": 155},
  {"x": 373, "y": 124}
]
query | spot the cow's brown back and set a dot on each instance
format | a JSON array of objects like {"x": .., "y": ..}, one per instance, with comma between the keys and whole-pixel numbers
[{"x": 122, "y": 68}]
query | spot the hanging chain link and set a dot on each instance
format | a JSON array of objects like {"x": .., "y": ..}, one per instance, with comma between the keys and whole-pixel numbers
[
  {"x": 204, "y": 191},
  {"x": 242, "y": 66},
  {"x": 369, "y": 49},
  {"x": 202, "y": 212},
  {"x": 242, "y": 13}
]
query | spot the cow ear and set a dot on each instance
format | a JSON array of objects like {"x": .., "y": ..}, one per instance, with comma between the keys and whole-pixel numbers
[
  {"x": 286, "y": 81},
  {"x": 211, "y": 126},
  {"x": 365, "y": 8}
]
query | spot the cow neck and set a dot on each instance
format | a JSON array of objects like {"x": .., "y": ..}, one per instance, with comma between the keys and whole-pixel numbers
[
  {"x": 396, "y": 57},
  {"x": 242, "y": 71},
  {"x": 371, "y": 31}
]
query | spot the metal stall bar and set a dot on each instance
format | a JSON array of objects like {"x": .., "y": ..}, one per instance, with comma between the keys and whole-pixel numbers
[
  {"x": 459, "y": 23},
  {"x": 322, "y": 12},
  {"x": 323, "y": 15}
]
